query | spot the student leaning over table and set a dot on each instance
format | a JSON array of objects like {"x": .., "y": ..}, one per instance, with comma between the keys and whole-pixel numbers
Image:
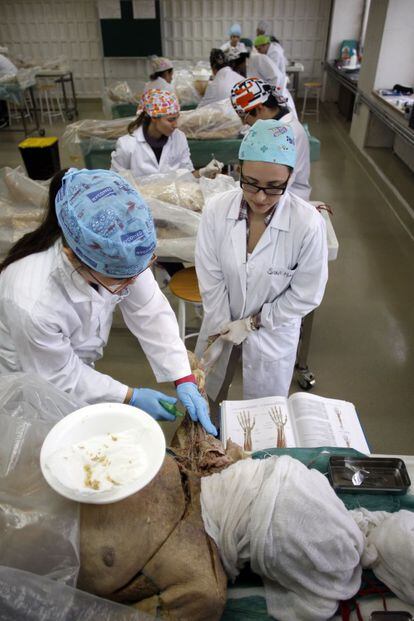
[
  {"x": 224, "y": 79},
  {"x": 272, "y": 49},
  {"x": 261, "y": 261},
  {"x": 154, "y": 144},
  {"x": 253, "y": 100},
  {"x": 60, "y": 284},
  {"x": 262, "y": 67}
]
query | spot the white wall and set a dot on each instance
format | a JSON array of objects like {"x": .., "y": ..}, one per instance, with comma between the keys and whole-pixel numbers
[
  {"x": 45, "y": 29},
  {"x": 193, "y": 27},
  {"x": 396, "y": 59},
  {"x": 346, "y": 23}
]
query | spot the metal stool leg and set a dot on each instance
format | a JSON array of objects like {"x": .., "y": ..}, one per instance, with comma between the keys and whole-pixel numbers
[
  {"x": 49, "y": 112},
  {"x": 304, "y": 104},
  {"x": 318, "y": 90},
  {"x": 181, "y": 318}
]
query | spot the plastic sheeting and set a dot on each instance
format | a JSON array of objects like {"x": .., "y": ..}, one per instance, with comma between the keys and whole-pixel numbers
[
  {"x": 175, "y": 201},
  {"x": 40, "y": 528},
  {"x": 22, "y": 206},
  {"x": 22, "y": 202},
  {"x": 34, "y": 598},
  {"x": 60, "y": 63},
  {"x": 39, "y": 547},
  {"x": 182, "y": 188},
  {"x": 12, "y": 87},
  {"x": 175, "y": 188},
  {"x": 218, "y": 120},
  {"x": 176, "y": 225},
  {"x": 183, "y": 83},
  {"x": 119, "y": 93},
  {"x": 90, "y": 135},
  {"x": 207, "y": 123}
]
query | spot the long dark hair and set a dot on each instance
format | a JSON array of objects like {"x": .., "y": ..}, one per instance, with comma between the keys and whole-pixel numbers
[
  {"x": 45, "y": 235},
  {"x": 218, "y": 59},
  {"x": 239, "y": 64},
  {"x": 143, "y": 119},
  {"x": 272, "y": 103}
]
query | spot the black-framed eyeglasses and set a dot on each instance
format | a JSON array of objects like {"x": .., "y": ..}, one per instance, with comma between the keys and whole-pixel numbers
[
  {"x": 251, "y": 188},
  {"x": 123, "y": 282}
]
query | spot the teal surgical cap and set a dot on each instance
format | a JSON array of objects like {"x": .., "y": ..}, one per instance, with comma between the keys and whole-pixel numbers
[
  {"x": 269, "y": 141},
  {"x": 106, "y": 222}
]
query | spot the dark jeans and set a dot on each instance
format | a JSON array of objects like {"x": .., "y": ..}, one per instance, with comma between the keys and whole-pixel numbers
[{"x": 171, "y": 268}]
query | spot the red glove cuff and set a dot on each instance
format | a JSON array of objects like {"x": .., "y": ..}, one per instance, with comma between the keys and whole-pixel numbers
[{"x": 187, "y": 378}]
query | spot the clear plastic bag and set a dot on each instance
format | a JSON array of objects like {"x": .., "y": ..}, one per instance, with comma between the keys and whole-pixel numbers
[
  {"x": 183, "y": 83},
  {"x": 218, "y": 120},
  {"x": 91, "y": 134},
  {"x": 22, "y": 206},
  {"x": 176, "y": 200},
  {"x": 176, "y": 230},
  {"x": 120, "y": 93},
  {"x": 40, "y": 528},
  {"x": 22, "y": 189},
  {"x": 35, "y": 598},
  {"x": 39, "y": 547},
  {"x": 60, "y": 63},
  {"x": 176, "y": 225},
  {"x": 221, "y": 183}
]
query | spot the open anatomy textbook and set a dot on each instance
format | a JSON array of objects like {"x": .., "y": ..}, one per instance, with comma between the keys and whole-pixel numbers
[{"x": 303, "y": 420}]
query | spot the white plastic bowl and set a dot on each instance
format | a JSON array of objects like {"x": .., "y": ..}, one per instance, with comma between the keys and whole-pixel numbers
[{"x": 99, "y": 419}]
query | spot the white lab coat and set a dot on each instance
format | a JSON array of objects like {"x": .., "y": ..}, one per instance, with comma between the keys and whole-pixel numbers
[
  {"x": 7, "y": 67},
  {"x": 220, "y": 87},
  {"x": 299, "y": 181},
  {"x": 134, "y": 153},
  {"x": 54, "y": 324},
  {"x": 159, "y": 83},
  {"x": 240, "y": 47},
  {"x": 284, "y": 279},
  {"x": 261, "y": 66},
  {"x": 277, "y": 54}
]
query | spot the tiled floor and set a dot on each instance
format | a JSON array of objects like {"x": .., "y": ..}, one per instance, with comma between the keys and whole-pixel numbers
[{"x": 363, "y": 338}]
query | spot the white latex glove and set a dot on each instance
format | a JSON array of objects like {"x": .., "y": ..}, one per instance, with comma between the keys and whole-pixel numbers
[
  {"x": 212, "y": 169},
  {"x": 236, "y": 331}
]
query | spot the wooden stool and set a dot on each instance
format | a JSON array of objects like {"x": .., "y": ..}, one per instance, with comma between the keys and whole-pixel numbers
[
  {"x": 312, "y": 90},
  {"x": 184, "y": 285}
]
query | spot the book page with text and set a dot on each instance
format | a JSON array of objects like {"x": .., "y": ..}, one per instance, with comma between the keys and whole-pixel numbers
[
  {"x": 253, "y": 423},
  {"x": 326, "y": 422}
]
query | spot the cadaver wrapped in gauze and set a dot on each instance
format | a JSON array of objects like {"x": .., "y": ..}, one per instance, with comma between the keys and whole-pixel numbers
[{"x": 218, "y": 120}]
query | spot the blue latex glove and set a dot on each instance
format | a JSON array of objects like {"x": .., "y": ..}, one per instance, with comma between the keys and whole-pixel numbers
[
  {"x": 195, "y": 405},
  {"x": 148, "y": 400}
]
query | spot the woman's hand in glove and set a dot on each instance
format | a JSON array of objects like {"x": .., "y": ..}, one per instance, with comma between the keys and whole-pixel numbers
[
  {"x": 148, "y": 400},
  {"x": 237, "y": 331},
  {"x": 212, "y": 169},
  {"x": 195, "y": 405}
]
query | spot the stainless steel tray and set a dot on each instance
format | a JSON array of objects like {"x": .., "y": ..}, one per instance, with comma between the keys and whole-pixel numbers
[{"x": 368, "y": 475}]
